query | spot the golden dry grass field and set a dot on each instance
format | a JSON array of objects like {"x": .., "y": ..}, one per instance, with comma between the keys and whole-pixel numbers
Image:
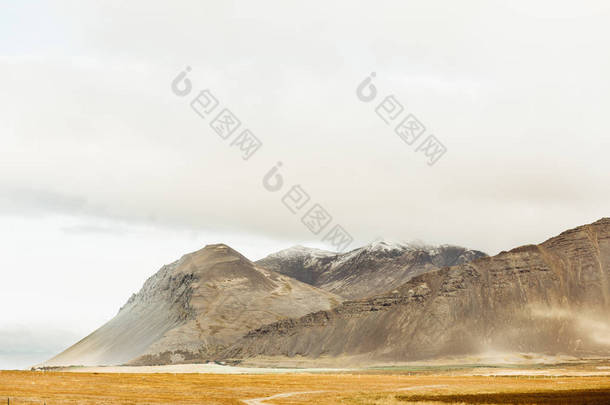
[{"x": 380, "y": 388}]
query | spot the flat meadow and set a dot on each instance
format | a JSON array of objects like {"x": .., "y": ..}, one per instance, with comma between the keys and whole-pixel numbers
[{"x": 378, "y": 387}]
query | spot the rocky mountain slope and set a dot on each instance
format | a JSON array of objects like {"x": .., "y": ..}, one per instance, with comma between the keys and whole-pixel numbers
[
  {"x": 194, "y": 307},
  {"x": 551, "y": 298},
  {"x": 367, "y": 271}
]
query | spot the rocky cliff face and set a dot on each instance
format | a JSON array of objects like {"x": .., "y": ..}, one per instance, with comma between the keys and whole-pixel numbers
[
  {"x": 194, "y": 307},
  {"x": 367, "y": 271},
  {"x": 552, "y": 298}
]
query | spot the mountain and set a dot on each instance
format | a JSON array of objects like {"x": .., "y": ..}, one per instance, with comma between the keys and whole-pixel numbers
[
  {"x": 194, "y": 307},
  {"x": 552, "y": 298},
  {"x": 367, "y": 271}
]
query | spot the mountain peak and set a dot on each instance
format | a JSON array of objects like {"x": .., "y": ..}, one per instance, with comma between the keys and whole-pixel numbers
[
  {"x": 386, "y": 245},
  {"x": 193, "y": 307},
  {"x": 602, "y": 221},
  {"x": 365, "y": 271},
  {"x": 218, "y": 251},
  {"x": 302, "y": 251},
  {"x": 219, "y": 247}
]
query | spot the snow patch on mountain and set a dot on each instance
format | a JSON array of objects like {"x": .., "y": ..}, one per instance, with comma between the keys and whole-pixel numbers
[{"x": 302, "y": 251}]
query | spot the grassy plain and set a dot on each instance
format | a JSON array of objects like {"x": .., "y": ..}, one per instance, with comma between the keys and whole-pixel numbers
[{"x": 379, "y": 387}]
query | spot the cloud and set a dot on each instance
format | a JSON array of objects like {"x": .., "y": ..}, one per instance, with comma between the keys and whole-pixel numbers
[
  {"x": 105, "y": 174},
  {"x": 86, "y": 229},
  {"x": 35, "y": 202},
  {"x": 91, "y": 127}
]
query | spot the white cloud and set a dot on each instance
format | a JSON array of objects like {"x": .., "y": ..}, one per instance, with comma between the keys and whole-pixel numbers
[{"x": 91, "y": 133}]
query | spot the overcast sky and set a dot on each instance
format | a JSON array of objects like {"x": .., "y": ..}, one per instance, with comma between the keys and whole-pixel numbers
[{"x": 106, "y": 174}]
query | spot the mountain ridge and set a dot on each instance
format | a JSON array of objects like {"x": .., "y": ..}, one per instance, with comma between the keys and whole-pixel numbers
[
  {"x": 365, "y": 271},
  {"x": 550, "y": 298},
  {"x": 214, "y": 303}
]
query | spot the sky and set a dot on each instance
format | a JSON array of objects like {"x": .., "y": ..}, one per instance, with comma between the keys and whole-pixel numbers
[{"x": 106, "y": 173}]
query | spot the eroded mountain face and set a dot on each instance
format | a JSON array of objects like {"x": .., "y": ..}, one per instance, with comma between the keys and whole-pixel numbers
[
  {"x": 553, "y": 298},
  {"x": 193, "y": 308},
  {"x": 367, "y": 271}
]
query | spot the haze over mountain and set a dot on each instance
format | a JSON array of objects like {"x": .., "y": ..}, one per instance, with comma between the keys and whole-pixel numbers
[
  {"x": 551, "y": 298},
  {"x": 369, "y": 270},
  {"x": 194, "y": 307}
]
